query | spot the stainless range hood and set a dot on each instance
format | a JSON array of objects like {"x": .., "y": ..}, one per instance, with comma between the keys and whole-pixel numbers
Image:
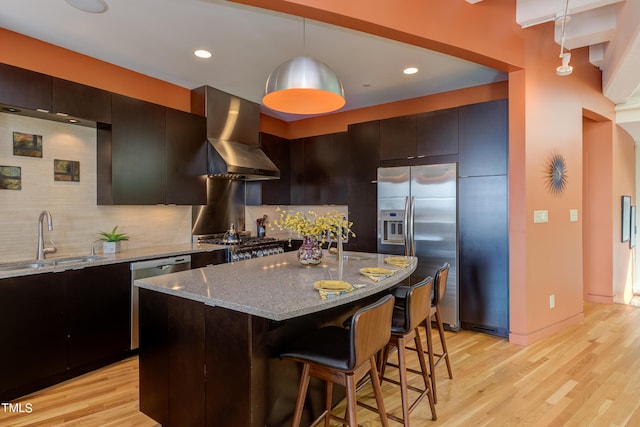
[
  {"x": 233, "y": 131},
  {"x": 233, "y": 160}
]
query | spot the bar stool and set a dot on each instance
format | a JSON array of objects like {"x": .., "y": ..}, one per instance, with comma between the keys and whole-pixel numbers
[
  {"x": 404, "y": 328},
  {"x": 344, "y": 356}
]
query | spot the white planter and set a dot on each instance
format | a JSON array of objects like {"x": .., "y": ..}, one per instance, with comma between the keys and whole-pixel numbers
[{"x": 110, "y": 247}]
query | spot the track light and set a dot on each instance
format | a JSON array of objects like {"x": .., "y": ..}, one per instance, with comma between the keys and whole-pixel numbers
[{"x": 565, "y": 69}]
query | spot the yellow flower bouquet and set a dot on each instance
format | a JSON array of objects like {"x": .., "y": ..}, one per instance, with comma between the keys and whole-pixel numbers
[{"x": 324, "y": 227}]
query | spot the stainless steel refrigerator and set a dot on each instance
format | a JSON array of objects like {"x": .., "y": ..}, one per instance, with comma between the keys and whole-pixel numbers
[{"x": 417, "y": 215}]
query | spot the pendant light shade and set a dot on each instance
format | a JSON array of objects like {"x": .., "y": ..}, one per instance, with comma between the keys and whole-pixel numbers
[{"x": 303, "y": 85}]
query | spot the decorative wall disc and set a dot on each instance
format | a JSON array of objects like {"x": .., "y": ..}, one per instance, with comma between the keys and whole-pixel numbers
[{"x": 556, "y": 174}]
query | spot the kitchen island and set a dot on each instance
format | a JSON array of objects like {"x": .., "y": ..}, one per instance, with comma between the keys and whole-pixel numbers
[{"x": 209, "y": 338}]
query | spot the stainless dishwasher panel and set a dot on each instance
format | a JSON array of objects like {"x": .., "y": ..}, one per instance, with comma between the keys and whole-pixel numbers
[{"x": 144, "y": 270}]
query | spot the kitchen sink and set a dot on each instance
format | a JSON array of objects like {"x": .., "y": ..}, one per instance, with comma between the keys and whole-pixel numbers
[{"x": 27, "y": 265}]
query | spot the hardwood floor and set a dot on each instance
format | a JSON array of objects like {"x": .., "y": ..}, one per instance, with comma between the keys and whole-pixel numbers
[{"x": 588, "y": 375}]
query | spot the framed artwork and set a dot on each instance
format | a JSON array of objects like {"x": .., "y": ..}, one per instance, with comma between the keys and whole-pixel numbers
[
  {"x": 10, "y": 178},
  {"x": 632, "y": 237},
  {"x": 626, "y": 218},
  {"x": 66, "y": 170},
  {"x": 26, "y": 144}
]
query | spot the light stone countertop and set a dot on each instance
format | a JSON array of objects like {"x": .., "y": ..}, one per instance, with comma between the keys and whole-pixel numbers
[
  {"x": 129, "y": 255},
  {"x": 276, "y": 287}
]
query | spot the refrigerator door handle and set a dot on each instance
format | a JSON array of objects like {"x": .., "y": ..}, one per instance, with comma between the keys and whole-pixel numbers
[
  {"x": 405, "y": 228},
  {"x": 412, "y": 223}
]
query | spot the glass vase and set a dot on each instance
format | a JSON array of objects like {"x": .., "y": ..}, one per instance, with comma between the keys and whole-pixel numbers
[{"x": 310, "y": 252}]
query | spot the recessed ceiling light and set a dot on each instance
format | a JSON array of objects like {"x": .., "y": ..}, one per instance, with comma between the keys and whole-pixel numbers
[
  {"x": 201, "y": 53},
  {"x": 91, "y": 6},
  {"x": 410, "y": 70}
]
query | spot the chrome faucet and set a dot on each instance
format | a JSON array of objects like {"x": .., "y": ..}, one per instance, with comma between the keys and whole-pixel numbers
[{"x": 42, "y": 250}]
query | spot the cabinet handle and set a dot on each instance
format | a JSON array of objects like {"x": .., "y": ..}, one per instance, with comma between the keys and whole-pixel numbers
[
  {"x": 411, "y": 157},
  {"x": 422, "y": 156},
  {"x": 374, "y": 182}
]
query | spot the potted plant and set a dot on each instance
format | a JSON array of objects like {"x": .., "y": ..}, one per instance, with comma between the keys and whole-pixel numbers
[{"x": 111, "y": 241}]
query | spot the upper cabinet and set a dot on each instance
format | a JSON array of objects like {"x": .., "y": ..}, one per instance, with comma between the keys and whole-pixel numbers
[
  {"x": 25, "y": 89},
  {"x": 151, "y": 155},
  {"x": 277, "y": 191},
  {"x": 398, "y": 137},
  {"x": 78, "y": 100},
  {"x": 437, "y": 133},
  {"x": 186, "y": 159},
  {"x": 484, "y": 139}
]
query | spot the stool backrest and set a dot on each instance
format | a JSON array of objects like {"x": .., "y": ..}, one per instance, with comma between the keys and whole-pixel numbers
[
  {"x": 370, "y": 330},
  {"x": 417, "y": 303},
  {"x": 440, "y": 286}
]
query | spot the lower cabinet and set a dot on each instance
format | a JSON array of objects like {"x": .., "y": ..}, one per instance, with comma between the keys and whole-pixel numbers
[
  {"x": 59, "y": 325},
  {"x": 205, "y": 259},
  {"x": 34, "y": 337},
  {"x": 98, "y": 315}
]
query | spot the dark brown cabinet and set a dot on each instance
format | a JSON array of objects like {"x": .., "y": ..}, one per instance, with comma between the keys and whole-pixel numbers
[
  {"x": 78, "y": 100},
  {"x": 278, "y": 191},
  {"x": 24, "y": 88},
  {"x": 204, "y": 259},
  {"x": 151, "y": 155},
  {"x": 97, "y": 315},
  {"x": 484, "y": 139},
  {"x": 34, "y": 337},
  {"x": 325, "y": 172},
  {"x": 186, "y": 158},
  {"x": 60, "y": 325},
  {"x": 437, "y": 133},
  {"x": 362, "y": 199},
  {"x": 398, "y": 137}
]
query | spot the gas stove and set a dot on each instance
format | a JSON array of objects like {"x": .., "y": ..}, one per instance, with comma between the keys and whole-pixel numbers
[{"x": 247, "y": 247}]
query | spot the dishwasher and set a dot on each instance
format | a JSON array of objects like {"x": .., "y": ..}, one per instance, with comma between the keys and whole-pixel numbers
[{"x": 144, "y": 270}]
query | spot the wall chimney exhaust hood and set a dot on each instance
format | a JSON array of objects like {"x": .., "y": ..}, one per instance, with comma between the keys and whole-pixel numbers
[
  {"x": 232, "y": 160},
  {"x": 233, "y": 132}
]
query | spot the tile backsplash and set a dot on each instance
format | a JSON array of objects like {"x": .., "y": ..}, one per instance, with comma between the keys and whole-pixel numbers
[{"x": 77, "y": 218}]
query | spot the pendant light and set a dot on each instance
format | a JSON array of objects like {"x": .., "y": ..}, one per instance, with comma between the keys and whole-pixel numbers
[{"x": 303, "y": 85}]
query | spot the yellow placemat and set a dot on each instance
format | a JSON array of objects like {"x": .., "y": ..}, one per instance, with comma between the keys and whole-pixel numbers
[
  {"x": 376, "y": 273},
  {"x": 398, "y": 261},
  {"x": 332, "y": 288}
]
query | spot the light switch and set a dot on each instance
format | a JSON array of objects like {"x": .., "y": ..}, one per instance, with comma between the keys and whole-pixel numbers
[
  {"x": 573, "y": 215},
  {"x": 540, "y": 216}
]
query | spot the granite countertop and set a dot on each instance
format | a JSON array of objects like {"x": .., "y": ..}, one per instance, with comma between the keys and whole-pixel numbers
[
  {"x": 129, "y": 255},
  {"x": 276, "y": 287}
]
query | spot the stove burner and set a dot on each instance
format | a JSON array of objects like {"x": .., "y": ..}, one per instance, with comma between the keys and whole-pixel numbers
[{"x": 248, "y": 247}]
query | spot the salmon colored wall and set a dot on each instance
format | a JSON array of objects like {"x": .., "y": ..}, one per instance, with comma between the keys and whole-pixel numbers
[
  {"x": 598, "y": 224},
  {"x": 623, "y": 151},
  {"x": 35, "y": 55},
  {"x": 339, "y": 122}
]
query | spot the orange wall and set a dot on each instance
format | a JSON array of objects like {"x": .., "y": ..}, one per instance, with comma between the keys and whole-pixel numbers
[
  {"x": 338, "y": 122},
  {"x": 35, "y": 55}
]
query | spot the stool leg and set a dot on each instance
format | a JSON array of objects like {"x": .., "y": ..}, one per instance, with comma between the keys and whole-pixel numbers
[
  {"x": 432, "y": 368},
  {"x": 377, "y": 390},
  {"x": 445, "y": 352},
  {"x": 425, "y": 374},
  {"x": 351, "y": 401},
  {"x": 404, "y": 392},
  {"x": 327, "y": 402},
  {"x": 302, "y": 395}
]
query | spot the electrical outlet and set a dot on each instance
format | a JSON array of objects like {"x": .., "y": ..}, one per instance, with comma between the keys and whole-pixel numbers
[{"x": 552, "y": 301}]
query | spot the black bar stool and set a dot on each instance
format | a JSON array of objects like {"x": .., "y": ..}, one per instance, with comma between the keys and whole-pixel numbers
[
  {"x": 440, "y": 289},
  {"x": 404, "y": 328},
  {"x": 344, "y": 356}
]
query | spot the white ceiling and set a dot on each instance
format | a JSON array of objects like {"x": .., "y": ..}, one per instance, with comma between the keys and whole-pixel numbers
[{"x": 157, "y": 38}]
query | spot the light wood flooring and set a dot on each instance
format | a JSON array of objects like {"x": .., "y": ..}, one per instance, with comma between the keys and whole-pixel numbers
[{"x": 588, "y": 375}]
